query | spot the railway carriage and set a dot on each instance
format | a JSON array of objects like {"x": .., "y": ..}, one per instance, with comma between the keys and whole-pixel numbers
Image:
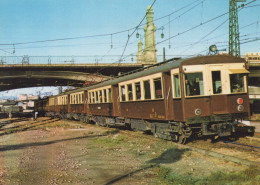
[{"x": 200, "y": 96}]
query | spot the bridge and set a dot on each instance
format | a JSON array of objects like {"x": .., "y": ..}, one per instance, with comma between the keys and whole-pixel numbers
[
  {"x": 24, "y": 71},
  {"x": 36, "y": 71}
]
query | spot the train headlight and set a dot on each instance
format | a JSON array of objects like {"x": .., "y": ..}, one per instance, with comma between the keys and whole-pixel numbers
[
  {"x": 197, "y": 112},
  {"x": 240, "y": 108},
  {"x": 240, "y": 101}
]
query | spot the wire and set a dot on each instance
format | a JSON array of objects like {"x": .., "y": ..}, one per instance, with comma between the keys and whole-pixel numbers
[
  {"x": 206, "y": 35},
  {"x": 91, "y": 36}
]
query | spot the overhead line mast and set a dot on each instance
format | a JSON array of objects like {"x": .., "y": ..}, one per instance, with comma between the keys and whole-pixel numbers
[{"x": 234, "y": 44}]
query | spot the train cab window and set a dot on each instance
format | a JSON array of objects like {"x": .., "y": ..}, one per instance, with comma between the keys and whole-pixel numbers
[
  {"x": 105, "y": 95},
  {"x": 147, "y": 90},
  {"x": 176, "y": 85},
  {"x": 158, "y": 87},
  {"x": 123, "y": 93},
  {"x": 237, "y": 83},
  {"x": 194, "y": 84},
  {"x": 216, "y": 82},
  {"x": 82, "y": 99},
  {"x": 138, "y": 90},
  {"x": 130, "y": 92}
]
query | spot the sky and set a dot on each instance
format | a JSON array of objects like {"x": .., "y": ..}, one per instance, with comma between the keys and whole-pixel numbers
[{"x": 99, "y": 29}]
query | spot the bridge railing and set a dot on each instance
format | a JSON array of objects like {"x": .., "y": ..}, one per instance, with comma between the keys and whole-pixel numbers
[{"x": 49, "y": 60}]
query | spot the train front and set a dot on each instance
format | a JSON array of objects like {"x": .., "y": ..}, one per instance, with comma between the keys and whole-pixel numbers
[{"x": 215, "y": 95}]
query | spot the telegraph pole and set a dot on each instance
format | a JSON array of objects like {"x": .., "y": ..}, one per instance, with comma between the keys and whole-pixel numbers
[{"x": 234, "y": 44}]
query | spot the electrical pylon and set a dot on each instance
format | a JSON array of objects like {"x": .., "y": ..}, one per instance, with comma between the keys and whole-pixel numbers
[{"x": 234, "y": 44}]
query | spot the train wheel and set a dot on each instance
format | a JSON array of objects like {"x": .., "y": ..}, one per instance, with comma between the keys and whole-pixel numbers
[
  {"x": 182, "y": 139},
  {"x": 184, "y": 133}
]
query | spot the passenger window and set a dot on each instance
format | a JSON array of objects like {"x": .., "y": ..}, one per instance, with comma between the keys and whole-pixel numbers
[
  {"x": 105, "y": 95},
  {"x": 147, "y": 92},
  {"x": 237, "y": 83},
  {"x": 109, "y": 95},
  {"x": 93, "y": 97},
  {"x": 130, "y": 92},
  {"x": 89, "y": 98},
  {"x": 194, "y": 84},
  {"x": 97, "y": 101},
  {"x": 138, "y": 90},
  {"x": 100, "y": 96},
  {"x": 158, "y": 87},
  {"x": 123, "y": 93},
  {"x": 216, "y": 82},
  {"x": 176, "y": 85}
]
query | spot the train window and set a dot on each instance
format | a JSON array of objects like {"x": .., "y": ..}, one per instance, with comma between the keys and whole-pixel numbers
[
  {"x": 93, "y": 97},
  {"x": 138, "y": 90},
  {"x": 96, "y": 96},
  {"x": 105, "y": 95},
  {"x": 79, "y": 98},
  {"x": 109, "y": 97},
  {"x": 89, "y": 98},
  {"x": 158, "y": 87},
  {"x": 216, "y": 82},
  {"x": 82, "y": 100},
  {"x": 194, "y": 84},
  {"x": 130, "y": 92},
  {"x": 100, "y": 96},
  {"x": 122, "y": 88},
  {"x": 237, "y": 83},
  {"x": 147, "y": 90},
  {"x": 176, "y": 85}
]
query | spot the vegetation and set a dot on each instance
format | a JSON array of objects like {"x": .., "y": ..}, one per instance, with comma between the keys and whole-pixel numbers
[{"x": 247, "y": 177}]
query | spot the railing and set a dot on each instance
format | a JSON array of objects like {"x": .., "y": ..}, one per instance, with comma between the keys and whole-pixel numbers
[{"x": 49, "y": 60}]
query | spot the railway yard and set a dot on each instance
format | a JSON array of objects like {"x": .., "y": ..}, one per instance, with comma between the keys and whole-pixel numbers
[{"x": 54, "y": 151}]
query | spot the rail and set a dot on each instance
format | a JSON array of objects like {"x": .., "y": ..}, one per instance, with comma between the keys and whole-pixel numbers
[{"x": 49, "y": 60}]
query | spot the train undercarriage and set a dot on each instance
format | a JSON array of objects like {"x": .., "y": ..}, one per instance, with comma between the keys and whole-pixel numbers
[{"x": 220, "y": 126}]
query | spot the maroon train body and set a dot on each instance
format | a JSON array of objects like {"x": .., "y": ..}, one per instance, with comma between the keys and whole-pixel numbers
[{"x": 176, "y": 99}]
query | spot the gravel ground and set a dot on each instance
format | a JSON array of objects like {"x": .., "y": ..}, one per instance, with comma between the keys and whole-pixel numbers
[{"x": 67, "y": 152}]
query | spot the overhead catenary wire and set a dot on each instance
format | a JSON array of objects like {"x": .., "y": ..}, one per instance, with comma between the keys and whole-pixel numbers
[{"x": 91, "y": 36}]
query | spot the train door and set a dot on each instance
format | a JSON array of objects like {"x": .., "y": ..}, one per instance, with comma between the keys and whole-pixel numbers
[
  {"x": 196, "y": 101},
  {"x": 176, "y": 94},
  {"x": 116, "y": 100}
]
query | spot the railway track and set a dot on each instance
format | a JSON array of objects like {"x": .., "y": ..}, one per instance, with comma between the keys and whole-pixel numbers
[
  {"x": 241, "y": 145},
  {"x": 207, "y": 152}
]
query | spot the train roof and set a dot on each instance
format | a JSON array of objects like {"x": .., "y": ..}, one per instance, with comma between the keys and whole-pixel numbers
[{"x": 163, "y": 67}]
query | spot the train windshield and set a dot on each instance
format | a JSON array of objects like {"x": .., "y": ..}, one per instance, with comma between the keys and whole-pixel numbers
[
  {"x": 194, "y": 84},
  {"x": 237, "y": 83}
]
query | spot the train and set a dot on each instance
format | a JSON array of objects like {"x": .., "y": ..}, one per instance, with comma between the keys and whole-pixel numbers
[{"x": 178, "y": 99}]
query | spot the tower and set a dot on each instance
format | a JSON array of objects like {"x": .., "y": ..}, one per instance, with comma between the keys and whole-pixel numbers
[
  {"x": 234, "y": 44},
  {"x": 149, "y": 31},
  {"x": 139, "y": 54}
]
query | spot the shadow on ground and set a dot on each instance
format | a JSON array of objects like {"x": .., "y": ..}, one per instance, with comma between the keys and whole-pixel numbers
[
  {"x": 25, "y": 145},
  {"x": 169, "y": 156}
]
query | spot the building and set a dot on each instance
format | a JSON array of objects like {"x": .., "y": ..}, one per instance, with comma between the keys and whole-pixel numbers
[{"x": 252, "y": 58}]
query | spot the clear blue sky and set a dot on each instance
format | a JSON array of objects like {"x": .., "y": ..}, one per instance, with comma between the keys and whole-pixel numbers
[{"x": 38, "y": 20}]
